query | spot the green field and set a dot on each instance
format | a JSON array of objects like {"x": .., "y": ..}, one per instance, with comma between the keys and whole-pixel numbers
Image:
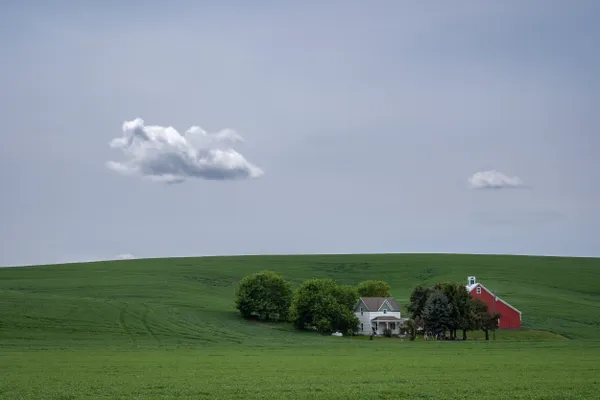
[{"x": 166, "y": 329}]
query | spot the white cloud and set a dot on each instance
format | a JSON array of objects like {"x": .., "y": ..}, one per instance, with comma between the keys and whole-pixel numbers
[
  {"x": 126, "y": 256},
  {"x": 493, "y": 179},
  {"x": 162, "y": 154}
]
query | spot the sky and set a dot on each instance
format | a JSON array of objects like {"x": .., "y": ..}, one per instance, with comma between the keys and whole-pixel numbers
[{"x": 168, "y": 129}]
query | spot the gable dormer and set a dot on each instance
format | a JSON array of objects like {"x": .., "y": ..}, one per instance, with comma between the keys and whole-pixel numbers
[{"x": 385, "y": 307}]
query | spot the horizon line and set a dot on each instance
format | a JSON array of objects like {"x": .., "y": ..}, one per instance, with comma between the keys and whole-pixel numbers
[{"x": 299, "y": 254}]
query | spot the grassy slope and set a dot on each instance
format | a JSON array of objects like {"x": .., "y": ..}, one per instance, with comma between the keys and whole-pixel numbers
[
  {"x": 110, "y": 330},
  {"x": 165, "y": 302}
]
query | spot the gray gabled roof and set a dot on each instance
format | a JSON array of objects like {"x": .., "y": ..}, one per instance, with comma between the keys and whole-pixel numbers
[{"x": 374, "y": 303}]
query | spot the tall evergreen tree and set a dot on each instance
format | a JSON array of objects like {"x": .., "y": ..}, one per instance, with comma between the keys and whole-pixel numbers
[
  {"x": 418, "y": 298},
  {"x": 437, "y": 312},
  {"x": 461, "y": 304}
]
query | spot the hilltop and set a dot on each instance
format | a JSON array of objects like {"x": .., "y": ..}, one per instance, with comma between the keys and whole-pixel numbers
[{"x": 189, "y": 301}]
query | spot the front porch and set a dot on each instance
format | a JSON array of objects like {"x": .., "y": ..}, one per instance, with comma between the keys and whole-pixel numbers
[{"x": 380, "y": 324}]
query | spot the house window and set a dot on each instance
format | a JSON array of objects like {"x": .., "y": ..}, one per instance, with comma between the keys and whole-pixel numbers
[
  {"x": 362, "y": 327},
  {"x": 393, "y": 326},
  {"x": 361, "y": 311},
  {"x": 385, "y": 311},
  {"x": 478, "y": 290}
]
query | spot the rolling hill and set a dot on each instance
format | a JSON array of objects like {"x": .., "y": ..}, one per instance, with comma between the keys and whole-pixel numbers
[
  {"x": 189, "y": 301},
  {"x": 163, "y": 329}
]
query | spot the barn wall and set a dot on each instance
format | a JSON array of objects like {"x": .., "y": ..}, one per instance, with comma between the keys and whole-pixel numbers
[{"x": 510, "y": 318}]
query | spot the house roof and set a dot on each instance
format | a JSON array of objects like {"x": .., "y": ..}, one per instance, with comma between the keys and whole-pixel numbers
[
  {"x": 375, "y": 303},
  {"x": 470, "y": 288}
]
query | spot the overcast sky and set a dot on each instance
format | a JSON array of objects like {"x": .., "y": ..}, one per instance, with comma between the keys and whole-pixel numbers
[{"x": 153, "y": 129}]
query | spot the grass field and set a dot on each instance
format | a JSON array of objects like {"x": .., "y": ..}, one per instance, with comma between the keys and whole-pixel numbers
[{"x": 166, "y": 329}]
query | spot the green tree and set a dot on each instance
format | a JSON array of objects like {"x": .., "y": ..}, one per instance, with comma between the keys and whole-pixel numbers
[
  {"x": 373, "y": 288},
  {"x": 437, "y": 312},
  {"x": 418, "y": 298},
  {"x": 486, "y": 320},
  {"x": 264, "y": 295},
  {"x": 460, "y": 299},
  {"x": 411, "y": 326},
  {"x": 469, "y": 318},
  {"x": 346, "y": 295},
  {"x": 324, "y": 305}
]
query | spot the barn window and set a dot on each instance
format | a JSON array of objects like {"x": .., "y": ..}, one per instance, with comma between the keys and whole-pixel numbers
[{"x": 478, "y": 290}]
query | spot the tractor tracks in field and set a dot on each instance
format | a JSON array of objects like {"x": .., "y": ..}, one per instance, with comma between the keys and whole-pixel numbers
[
  {"x": 121, "y": 321},
  {"x": 147, "y": 326},
  {"x": 124, "y": 326},
  {"x": 142, "y": 316}
]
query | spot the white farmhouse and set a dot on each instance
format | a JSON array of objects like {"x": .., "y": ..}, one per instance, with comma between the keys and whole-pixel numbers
[{"x": 375, "y": 314}]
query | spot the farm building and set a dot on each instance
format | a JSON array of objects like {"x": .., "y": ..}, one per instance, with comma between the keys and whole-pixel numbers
[
  {"x": 375, "y": 314},
  {"x": 510, "y": 316}
]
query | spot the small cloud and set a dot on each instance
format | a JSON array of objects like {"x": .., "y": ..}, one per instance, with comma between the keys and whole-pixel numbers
[
  {"x": 162, "y": 154},
  {"x": 126, "y": 256},
  {"x": 493, "y": 180}
]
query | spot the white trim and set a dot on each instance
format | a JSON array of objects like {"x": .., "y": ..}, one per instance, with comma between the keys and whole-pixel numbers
[
  {"x": 384, "y": 302},
  {"x": 357, "y": 309},
  {"x": 497, "y": 298}
]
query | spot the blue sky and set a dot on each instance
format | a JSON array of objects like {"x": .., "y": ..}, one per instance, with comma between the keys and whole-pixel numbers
[{"x": 162, "y": 129}]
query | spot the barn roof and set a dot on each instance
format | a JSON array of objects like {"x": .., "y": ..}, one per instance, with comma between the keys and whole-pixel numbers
[
  {"x": 375, "y": 303},
  {"x": 470, "y": 288}
]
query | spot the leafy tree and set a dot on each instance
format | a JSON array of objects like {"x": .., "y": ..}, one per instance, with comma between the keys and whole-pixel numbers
[
  {"x": 418, "y": 298},
  {"x": 264, "y": 295},
  {"x": 373, "y": 288},
  {"x": 486, "y": 320},
  {"x": 324, "y": 305},
  {"x": 469, "y": 318},
  {"x": 461, "y": 305},
  {"x": 437, "y": 312},
  {"x": 411, "y": 326},
  {"x": 346, "y": 295}
]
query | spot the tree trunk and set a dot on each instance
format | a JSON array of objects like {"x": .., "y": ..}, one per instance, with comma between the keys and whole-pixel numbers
[
  {"x": 487, "y": 334},
  {"x": 464, "y": 334}
]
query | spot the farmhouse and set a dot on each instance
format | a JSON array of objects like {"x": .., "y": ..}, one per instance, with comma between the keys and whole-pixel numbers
[
  {"x": 510, "y": 316},
  {"x": 376, "y": 314}
]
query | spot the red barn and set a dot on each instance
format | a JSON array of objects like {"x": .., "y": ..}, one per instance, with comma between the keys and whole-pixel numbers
[{"x": 510, "y": 318}]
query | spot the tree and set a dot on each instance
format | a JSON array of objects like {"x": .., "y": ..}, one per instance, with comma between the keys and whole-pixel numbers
[
  {"x": 469, "y": 318},
  {"x": 264, "y": 295},
  {"x": 437, "y": 312},
  {"x": 346, "y": 295},
  {"x": 486, "y": 320},
  {"x": 411, "y": 327},
  {"x": 418, "y": 298},
  {"x": 460, "y": 299},
  {"x": 324, "y": 305},
  {"x": 373, "y": 288}
]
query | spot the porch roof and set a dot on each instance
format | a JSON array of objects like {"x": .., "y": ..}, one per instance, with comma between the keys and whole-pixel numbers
[{"x": 391, "y": 318}]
